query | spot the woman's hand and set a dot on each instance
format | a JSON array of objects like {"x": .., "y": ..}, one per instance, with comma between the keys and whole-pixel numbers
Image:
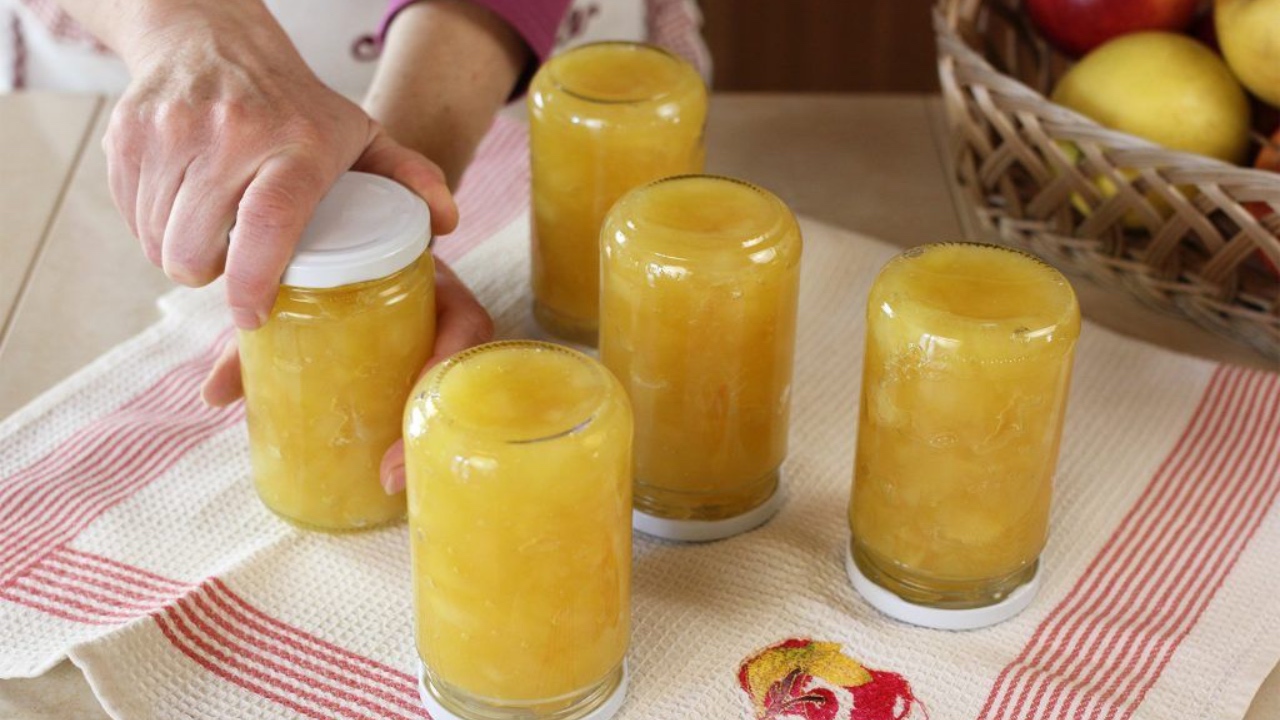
[
  {"x": 461, "y": 322},
  {"x": 225, "y": 141}
]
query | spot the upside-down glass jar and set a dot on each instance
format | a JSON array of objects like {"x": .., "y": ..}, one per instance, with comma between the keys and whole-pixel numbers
[
  {"x": 518, "y": 460},
  {"x": 968, "y": 361},
  {"x": 700, "y": 285},
  {"x": 604, "y": 118},
  {"x": 326, "y": 377}
]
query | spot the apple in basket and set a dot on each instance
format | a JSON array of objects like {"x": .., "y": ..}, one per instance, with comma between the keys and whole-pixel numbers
[
  {"x": 1249, "y": 35},
  {"x": 1164, "y": 87},
  {"x": 1268, "y": 159},
  {"x": 1077, "y": 26}
]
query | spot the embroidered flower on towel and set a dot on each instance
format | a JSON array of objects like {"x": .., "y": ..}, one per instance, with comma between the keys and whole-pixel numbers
[{"x": 801, "y": 678}]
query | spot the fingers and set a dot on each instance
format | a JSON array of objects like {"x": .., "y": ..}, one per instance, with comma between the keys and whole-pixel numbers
[
  {"x": 157, "y": 187},
  {"x": 391, "y": 473},
  {"x": 461, "y": 321},
  {"x": 390, "y": 159},
  {"x": 178, "y": 209},
  {"x": 275, "y": 209},
  {"x": 189, "y": 220},
  {"x": 224, "y": 386},
  {"x": 122, "y": 178},
  {"x": 196, "y": 234}
]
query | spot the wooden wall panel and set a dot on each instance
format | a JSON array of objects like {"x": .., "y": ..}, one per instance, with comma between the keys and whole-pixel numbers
[{"x": 822, "y": 45}]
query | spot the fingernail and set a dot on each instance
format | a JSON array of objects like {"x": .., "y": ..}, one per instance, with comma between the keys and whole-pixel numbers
[
  {"x": 393, "y": 479},
  {"x": 205, "y": 396},
  {"x": 246, "y": 319}
]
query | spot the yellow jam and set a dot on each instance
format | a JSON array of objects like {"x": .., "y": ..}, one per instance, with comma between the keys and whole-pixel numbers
[
  {"x": 698, "y": 320},
  {"x": 968, "y": 362},
  {"x": 325, "y": 383},
  {"x": 605, "y": 118},
  {"x": 519, "y": 477}
]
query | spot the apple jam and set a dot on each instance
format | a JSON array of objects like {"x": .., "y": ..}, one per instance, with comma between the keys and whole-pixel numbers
[
  {"x": 604, "y": 118},
  {"x": 968, "y": 361},
  {"x": 700, "y": 281},
  {"x": 518, "y": 457},
  {"x": 326, "y": 377}
]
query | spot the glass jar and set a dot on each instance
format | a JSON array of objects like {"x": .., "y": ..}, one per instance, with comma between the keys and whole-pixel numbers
[
  {"x": 518, "y": 460},
  {"x": 700, "y": 285},
  {"x": 604, "y": 118},
  {"x": 326, "y": 378},
  {"x": 968, "y": 362}
]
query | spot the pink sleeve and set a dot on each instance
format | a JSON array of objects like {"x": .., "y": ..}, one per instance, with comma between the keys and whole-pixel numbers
[{"x": 536, "y": 21}]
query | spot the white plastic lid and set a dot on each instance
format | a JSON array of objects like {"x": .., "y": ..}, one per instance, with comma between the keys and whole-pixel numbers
[
  {"x": 707, "y": 530},
  {"x": 367, "y": 227},
  {"x": 604, "y": 711},
  {"x": 940, "y": 618}
]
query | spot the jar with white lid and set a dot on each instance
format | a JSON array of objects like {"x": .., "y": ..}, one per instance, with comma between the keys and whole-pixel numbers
[
  {"x": 326, "y": 377},
  {"x": 964, "y": 394}
]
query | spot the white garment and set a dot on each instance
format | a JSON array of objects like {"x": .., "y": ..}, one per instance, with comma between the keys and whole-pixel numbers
[
  {"x": 332, "y": 36},
  {"x": 32, "y": 52}
]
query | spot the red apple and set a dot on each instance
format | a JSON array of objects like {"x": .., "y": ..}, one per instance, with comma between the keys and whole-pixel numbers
[
  {"x": 1077, "y": 26},
  {"x": 1268, "y": 159},
  {"x": 1204, "y": 30}
]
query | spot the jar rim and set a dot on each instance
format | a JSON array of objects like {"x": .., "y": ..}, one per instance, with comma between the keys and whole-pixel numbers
[
  {"x": 553, "y": 69},
  {"x": 1039, "y": 327},
  {"x": 760, "y": 238},
  {"x": 589, "y": 412}
]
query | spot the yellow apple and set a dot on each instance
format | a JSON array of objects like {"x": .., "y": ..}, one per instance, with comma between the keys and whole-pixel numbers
[
  {"x": 1249, "y": 34},
  {"x": 1132, "y": 219},
  {"x": 1164, "y": 87}
]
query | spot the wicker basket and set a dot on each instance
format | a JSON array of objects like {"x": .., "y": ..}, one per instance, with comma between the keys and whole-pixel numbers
[{"x": 1198, "y": 252}]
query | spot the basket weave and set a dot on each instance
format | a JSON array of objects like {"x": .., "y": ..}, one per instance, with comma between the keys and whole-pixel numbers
[{"x": 1198, "y": 252}]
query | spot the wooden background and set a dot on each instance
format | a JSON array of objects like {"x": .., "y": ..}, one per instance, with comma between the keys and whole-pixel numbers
[{"x": 822, "y": 45}]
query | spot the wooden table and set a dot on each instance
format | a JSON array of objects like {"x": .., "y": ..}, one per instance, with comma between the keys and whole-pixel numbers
[{"x": 73, "y": 282}]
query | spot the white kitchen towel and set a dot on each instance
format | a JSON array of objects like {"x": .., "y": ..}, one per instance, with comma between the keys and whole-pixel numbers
[{"x": 131, "y": 541}]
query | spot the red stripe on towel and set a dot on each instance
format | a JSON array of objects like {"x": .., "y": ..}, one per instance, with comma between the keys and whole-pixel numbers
[
  {"x": 46, "y": 505},
  {"x": 1106, "y": 643}
]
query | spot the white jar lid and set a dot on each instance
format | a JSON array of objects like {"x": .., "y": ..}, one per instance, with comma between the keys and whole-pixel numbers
[
  {"x": 367, "y": 227},
  {"x": 707, "y": 530},
  {"x": 939, "y": 618}
]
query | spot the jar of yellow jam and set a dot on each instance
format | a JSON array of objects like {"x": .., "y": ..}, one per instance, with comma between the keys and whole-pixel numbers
[
  {"x": 968, "y": 360},
  {"x": 700, "y": 286},
  {"x": 326, "y": 378},
  {"x": 604, "y": 118},
  {"x": 518, "y": 462}
]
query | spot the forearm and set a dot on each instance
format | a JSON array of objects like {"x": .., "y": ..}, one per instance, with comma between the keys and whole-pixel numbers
[{"x": 447, "y": 67}]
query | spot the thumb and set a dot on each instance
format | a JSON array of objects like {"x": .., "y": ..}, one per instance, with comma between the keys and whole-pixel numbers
[
  {"x": 392, "y": 470},
  {"x": 223, "y": 385},
  {"x": 388, "y": 158}
]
